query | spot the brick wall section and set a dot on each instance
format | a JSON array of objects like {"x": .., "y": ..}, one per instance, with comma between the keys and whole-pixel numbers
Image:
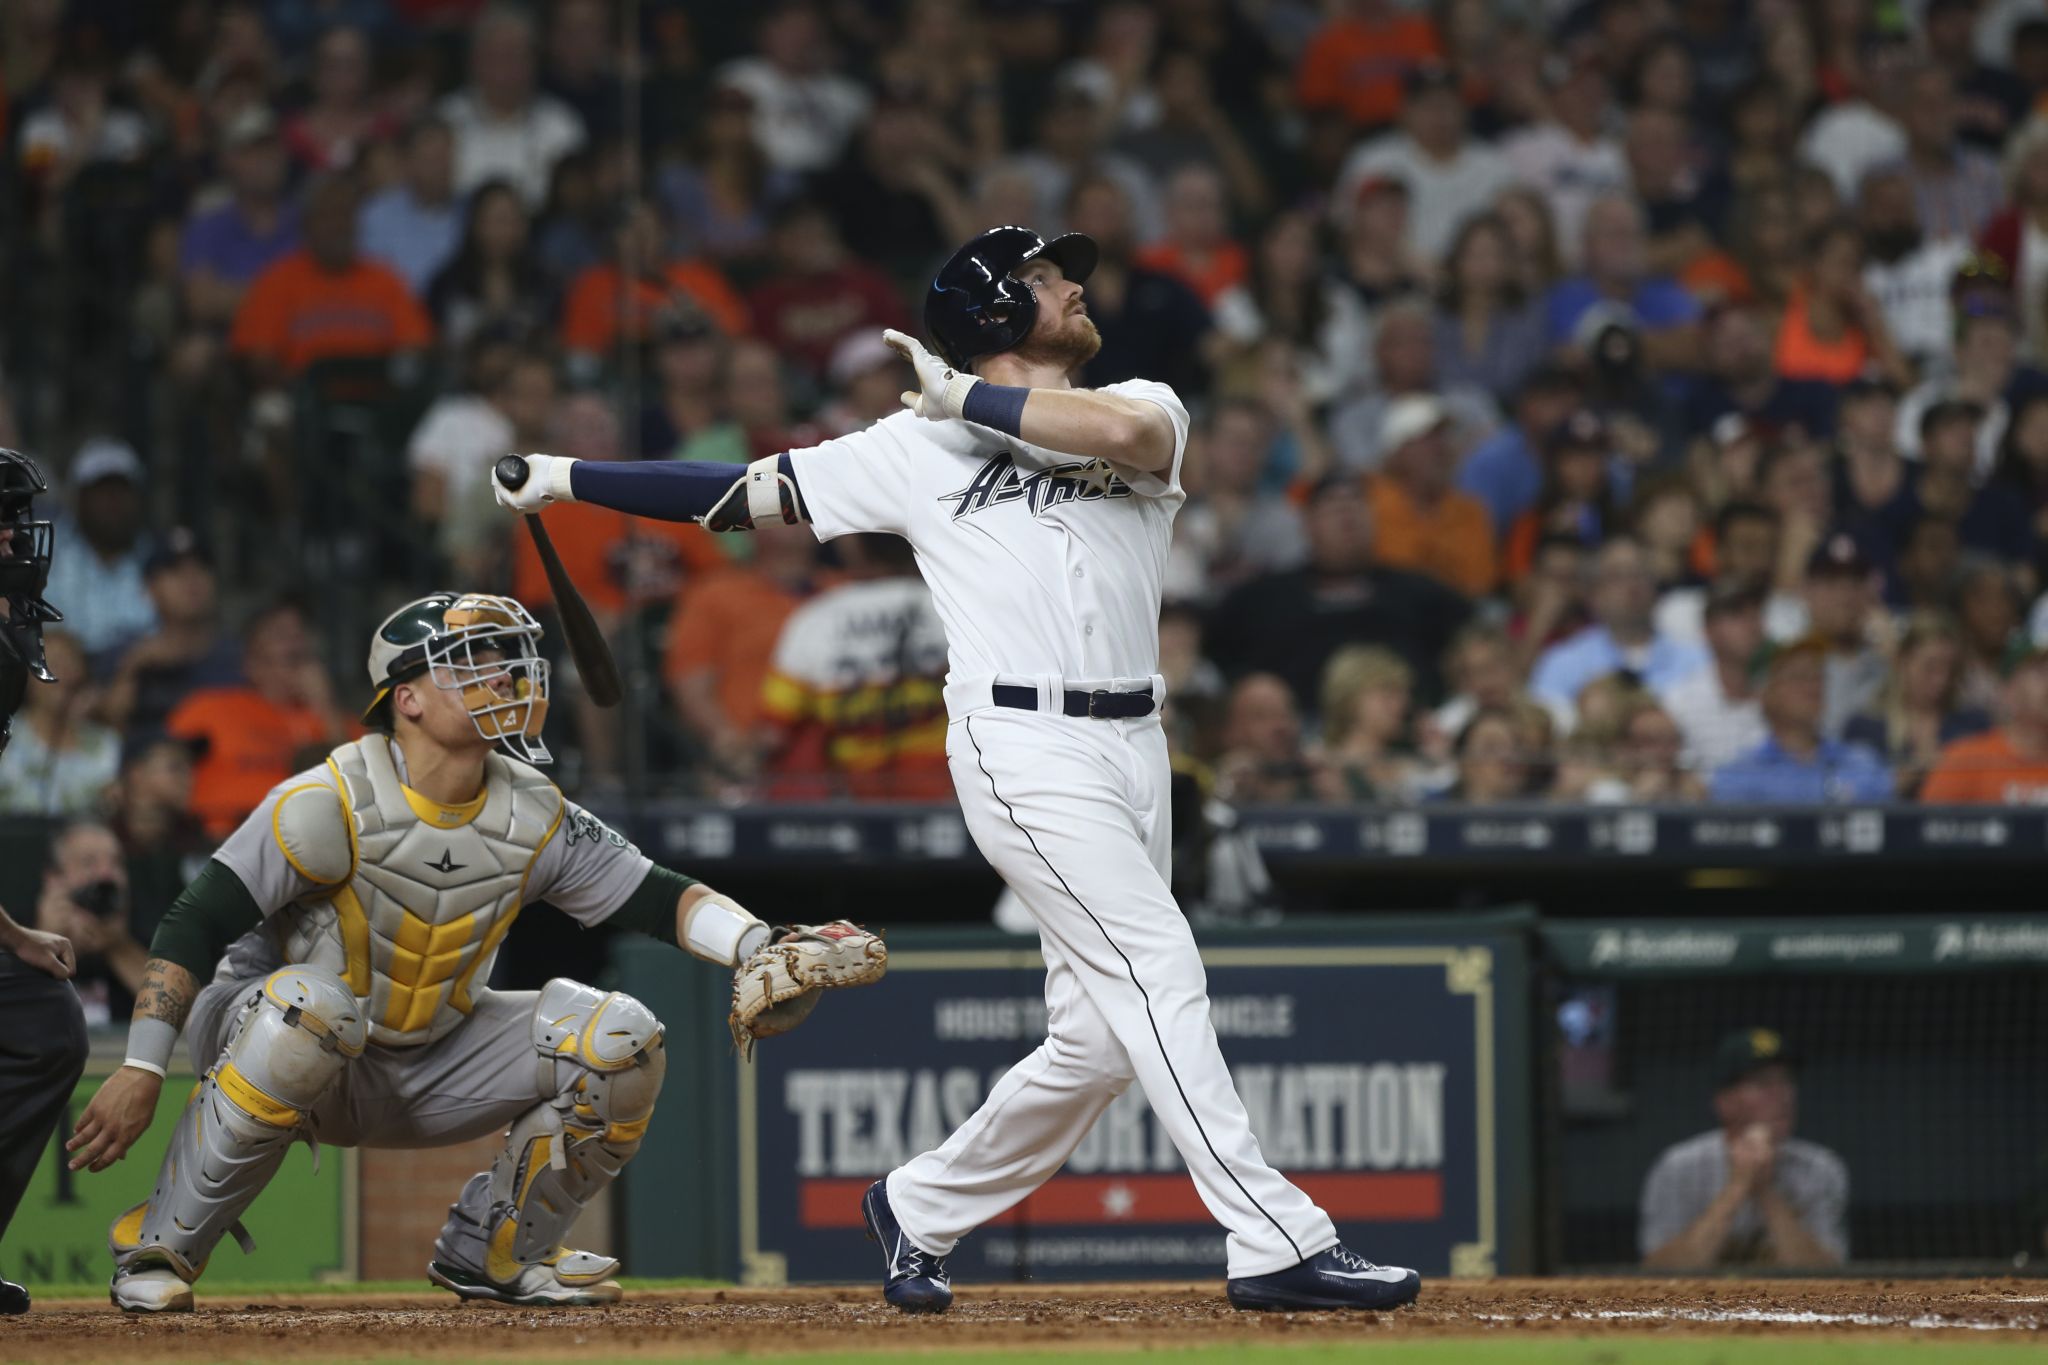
[{"x": 405, "y": 1195}]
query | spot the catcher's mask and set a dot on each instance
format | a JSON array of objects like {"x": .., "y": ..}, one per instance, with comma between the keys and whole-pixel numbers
[
  {"x": 25, "y": 544},
  {"x": 484, "y": 647}
]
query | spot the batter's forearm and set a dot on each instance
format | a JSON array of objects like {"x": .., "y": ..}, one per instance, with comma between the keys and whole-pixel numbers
[
  {"x": 1098, "y": 426},
  {"x": 713, "y": 495}
]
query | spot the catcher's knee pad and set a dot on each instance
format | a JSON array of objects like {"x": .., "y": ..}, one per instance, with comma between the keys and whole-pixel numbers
[
  {"x": 288, "y": 1046},
  {"x": 602, "y": 1054}
]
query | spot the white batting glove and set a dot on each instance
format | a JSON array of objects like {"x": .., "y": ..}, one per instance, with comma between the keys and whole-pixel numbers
[
  {"x": 944, "y": 388},
  {"x": 547, "y": 481}
]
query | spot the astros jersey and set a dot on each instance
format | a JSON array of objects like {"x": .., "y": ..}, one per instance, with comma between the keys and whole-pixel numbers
[{"x": 1040, "y": 564}]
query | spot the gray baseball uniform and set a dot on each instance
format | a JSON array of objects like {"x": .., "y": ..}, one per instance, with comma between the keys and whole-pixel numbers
[{"x": 1690, "y": 1175}]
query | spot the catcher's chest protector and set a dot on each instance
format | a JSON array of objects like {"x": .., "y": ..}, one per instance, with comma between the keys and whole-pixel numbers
[{"x": 414, "y": 926}]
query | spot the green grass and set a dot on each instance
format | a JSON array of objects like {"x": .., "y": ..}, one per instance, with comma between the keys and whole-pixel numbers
[
  {"x": 227, "y": 1290},
  {"x": 1520, "y": 1350}
]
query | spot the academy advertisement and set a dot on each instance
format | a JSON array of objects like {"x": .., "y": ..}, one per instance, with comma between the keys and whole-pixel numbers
[{"x": 1373, "y": 1074}]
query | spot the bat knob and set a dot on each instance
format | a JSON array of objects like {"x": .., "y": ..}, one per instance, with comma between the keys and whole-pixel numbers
[{"x": 512, "y": 473}]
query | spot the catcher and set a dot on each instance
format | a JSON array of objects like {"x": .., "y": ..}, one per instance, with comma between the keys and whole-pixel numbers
[{"x": 360, "y": 908}]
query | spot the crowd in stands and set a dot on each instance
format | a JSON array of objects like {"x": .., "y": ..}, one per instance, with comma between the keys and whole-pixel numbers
[{"x": 1595, "y": 400}]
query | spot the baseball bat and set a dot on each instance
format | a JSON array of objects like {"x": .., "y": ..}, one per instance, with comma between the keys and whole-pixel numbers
[{"x": 586, "y": 642}]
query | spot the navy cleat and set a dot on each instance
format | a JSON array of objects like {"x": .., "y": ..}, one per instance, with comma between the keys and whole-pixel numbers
[
  {"x": 916, "y": 1280},
  {"x": 1337, "y": 1278}
]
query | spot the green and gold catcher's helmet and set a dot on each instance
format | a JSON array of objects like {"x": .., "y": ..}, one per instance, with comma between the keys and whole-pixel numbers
[{"x": 485, "y": 647}]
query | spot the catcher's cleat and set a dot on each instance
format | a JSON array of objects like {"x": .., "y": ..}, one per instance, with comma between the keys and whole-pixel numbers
[
  {"x": 915, "y": 1280},
  {"x": 150, "y": 1288},
  {"x": 13, "y": 1298},
  {"x": 1337, "y": 1278},
  {"x": 568, "y": 1279}
]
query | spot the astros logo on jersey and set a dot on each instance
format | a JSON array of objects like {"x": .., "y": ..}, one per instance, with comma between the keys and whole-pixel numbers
[{"x": 998, "y": 481}]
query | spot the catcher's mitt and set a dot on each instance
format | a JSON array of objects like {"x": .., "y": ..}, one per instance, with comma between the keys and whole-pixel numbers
[{"x": 776, "y": 989}]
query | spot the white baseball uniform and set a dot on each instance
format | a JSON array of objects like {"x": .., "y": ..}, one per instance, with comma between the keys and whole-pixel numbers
[{"x": 1047, "y": 572}]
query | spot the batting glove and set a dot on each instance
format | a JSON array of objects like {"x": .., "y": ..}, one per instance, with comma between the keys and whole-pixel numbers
[
  {"x": 547, "y": 481},
  {"x": 944, "y": 388}
]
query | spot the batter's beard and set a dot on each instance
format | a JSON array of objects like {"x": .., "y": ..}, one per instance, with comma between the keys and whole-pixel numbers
[{"x": 1071, "y": 347}]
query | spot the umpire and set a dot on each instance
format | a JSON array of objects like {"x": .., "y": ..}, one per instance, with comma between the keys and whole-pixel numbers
[{"x": 42, "y": 1026}]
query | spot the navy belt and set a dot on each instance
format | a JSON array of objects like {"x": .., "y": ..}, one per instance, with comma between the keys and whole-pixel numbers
[{"x": 1093, "y": 705}]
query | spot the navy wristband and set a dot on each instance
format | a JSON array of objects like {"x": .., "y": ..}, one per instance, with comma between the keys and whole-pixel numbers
[{"x": 1000, "y": 406}]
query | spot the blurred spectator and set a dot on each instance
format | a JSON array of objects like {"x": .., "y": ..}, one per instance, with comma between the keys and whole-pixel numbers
[
  {"x": 187, "y": 650},
  {"x": 1872, "y": 488},
  {"x": 1070, "y": 146},
  {"x": 757, "y": 419},
  {"x": 227, "y": 247},
  {"x": 2017, "y": 237},
  {"x": 415, "y": 224},
  {"x": 1492, "y": 762},
  {"x": 1479, "y": 671},
  {"x": 1199, "y": 251},
  {"x": 1450, "y": 178},
  {"x": 505, "y": 128},
  {"x": 1354, "y": 66},
  {"x": 1990, "y": 100},
  {"x": 1989, "y": 519},
  {"x": 1748, "y": 1193},
  {"x": 1616, "y": 286},
  {"x": 1301, "y": 304},
  {"x": 1572, "y": 157},
  {"x": 1290, "y": 623},
  {"x": 297, "y": 24},
  {"x": 257, "y": 734},
  {"x": 1368, "y": 745},
  {"x": 1264, "y": 761},
  {"x": 1488, "y": 335},
  {"x": 574, "y": 230},
  {"x": 1152, "y": 325},
  {"x": 151, "y": 814},
  {"x": 866, "y": 378},
  {"x": 1548, "y": 604},
  {"x": 1404, "y": 359},
  {"x": 1741, "y": 379},
  {"x": 1987, "y": 375},
  {"x": 85, "y": 898},
  {"x": 493, "y": 283},
  {"x": 77, "y": 125},
  {"x": 1842, "y": 606},
  {"x": 687, "y": 399},
  {"x": 854, "y": 702},
  {"x": 804, "y": 110},
  {"x": 1917, "y": 714},
  {"x": 1909, "y": 272},
  {"x": 1747, "y": 541},
  {"x": 457, "y": 441},
  {"x": 1195, "y": 689},
  {"x": 892, "y": 195},
  {"x": 1623, "y": 635},
  {"x": 324, "y": 301},
  {"x": 1832, "y": 329},
  {"x": 96, "y": 571},
  {"x": 2009, "y": 765},
  {"x": 1851, "y": 135},
  {"x": 1505, "y": 471},
  {"x": 1532, "y": 234},
  {"x": 722, "y": 639},
  {"x": 1230, "y": 529},
  {"x": 1420, "y": 522},
  {"x": 1928, "y": 566},
  {"x": 1957, "y": 187},
  {"x": 582, "y": 65},
  {"x": 721, "y": 196},
  {"x": 60, "y": 762},
  {"x": 1116, "y": 63},
  {"x": 1373, "y": 253},
  {"x": 2021, "y": 476},
  {"x": 1797, "y": 764},
  {"x": 948, "y": 56},
  {"x": 1192, "y": 129},
  {"x": 602, "y": 307},
  {"x": 341, "y": 122},
  {"x": 816, "y": 291},
  {"x": 1716, "y": 707},
  {"x": 1683, "y": 210},
  {"x": 1576, "y": 497},
  {"x": 1990, "y": 606}
]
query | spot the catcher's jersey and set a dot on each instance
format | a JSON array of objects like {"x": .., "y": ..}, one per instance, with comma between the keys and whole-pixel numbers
[
  {"x": 1040, "y": 564},
  {"x": 408, "y": 900}
]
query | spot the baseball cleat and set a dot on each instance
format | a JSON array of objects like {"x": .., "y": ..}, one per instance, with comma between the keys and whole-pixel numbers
[
  {"x": 13, "y": 1298},
  {"x": 567, "y": 1279},
  {"x": 915, "y": 1280},
  {"x": 150, "y": 1289},
  {"x": 1337, "y": 1278}
]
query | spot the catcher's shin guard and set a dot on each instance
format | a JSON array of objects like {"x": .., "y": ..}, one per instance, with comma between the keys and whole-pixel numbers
[
  {"x": 603, "y": 1054},
  {"x": 289, "y": 1045}
]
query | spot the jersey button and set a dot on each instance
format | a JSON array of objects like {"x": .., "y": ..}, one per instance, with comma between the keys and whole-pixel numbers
[
  {"x": 1080, "y": 572},
  {"x": 1088, "y": 630}
]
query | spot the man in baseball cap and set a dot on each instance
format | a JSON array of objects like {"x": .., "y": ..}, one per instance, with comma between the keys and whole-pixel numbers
[
  {"x": 1747, "y": 1192},
  {"x": 1797, "y": 764},
  {"x": 1421, "y": 523}
]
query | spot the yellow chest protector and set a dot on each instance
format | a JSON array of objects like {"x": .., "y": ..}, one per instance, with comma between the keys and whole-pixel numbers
[{"x": 411, "y": 912}]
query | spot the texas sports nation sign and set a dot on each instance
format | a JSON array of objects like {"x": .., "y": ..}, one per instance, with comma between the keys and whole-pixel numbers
[{"x": 1369, "y": 1072}]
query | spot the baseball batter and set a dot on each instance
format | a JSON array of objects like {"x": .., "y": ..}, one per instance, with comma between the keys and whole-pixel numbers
[
  {"x": 1040, "y": 515},
  {"x": 354, "y": 918}
]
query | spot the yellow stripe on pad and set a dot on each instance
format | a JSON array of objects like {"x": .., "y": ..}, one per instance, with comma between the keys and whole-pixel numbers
[{"x": 254, "y": 1102}]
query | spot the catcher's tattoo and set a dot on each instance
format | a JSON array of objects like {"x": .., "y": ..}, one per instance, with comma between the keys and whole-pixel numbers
[{"x": 167, "y": 993}]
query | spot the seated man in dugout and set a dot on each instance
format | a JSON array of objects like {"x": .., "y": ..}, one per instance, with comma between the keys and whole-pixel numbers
[{"x": 1747, "y": 1193}]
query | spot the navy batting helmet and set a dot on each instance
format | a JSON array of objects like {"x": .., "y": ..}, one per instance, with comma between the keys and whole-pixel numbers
[{"x": 977, "y": 305}]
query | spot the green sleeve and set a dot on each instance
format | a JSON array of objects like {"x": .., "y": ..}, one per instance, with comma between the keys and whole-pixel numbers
[
  {"x": 651, "y": 908},
  {"x": 212, "y": 912}
]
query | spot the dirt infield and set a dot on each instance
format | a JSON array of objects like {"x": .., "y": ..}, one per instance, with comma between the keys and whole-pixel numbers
[{"x": 717, "y": 1322}]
